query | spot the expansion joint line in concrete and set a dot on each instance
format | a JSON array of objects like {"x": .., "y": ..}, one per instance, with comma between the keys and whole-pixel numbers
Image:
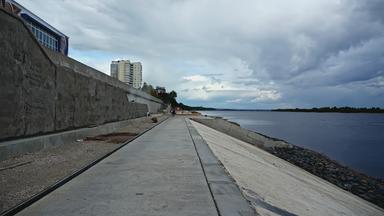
[
  {"x": 202, "y": 167},
  {"x": 14, "y": 210}
]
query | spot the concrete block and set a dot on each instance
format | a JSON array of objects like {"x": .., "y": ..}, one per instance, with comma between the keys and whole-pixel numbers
[
  {"x": 230, "y": 201},
  {"x": 216, "y": 174},
  {"x": 30, "y": 76},
  {"x": 65, "y": 103},
  {"x": 12, "y": 103}
]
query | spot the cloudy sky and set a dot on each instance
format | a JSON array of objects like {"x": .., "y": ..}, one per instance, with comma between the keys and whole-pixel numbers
[{"x": 253, "y": 54}]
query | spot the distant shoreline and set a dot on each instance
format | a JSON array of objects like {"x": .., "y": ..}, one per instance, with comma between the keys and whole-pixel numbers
[
  {"x": 313, "y": 110},
  {"x": 334, "y": 109}
]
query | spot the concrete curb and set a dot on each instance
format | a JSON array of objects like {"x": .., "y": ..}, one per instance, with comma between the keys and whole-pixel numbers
[
  {"x": 61, "y": 182},
  {"x": 12, "y": 148},
  {"x": 226, "y": 194}
]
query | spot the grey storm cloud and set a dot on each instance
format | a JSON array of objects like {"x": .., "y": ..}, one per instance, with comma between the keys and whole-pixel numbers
[{"x": 327, "y": 47}]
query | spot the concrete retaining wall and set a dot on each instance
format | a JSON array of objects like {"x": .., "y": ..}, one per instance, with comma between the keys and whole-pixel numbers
[
  {"x": 137, "y": 96},
  {"x": 44, "y": 92},
  {"x": 240, "y": 133}
]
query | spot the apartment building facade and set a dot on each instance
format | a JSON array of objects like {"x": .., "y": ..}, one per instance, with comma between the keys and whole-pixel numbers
[
  {"x": 127, "y": 72},
  {"x": 137, "y": 71}
]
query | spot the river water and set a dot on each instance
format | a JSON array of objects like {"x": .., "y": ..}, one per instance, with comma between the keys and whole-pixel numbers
[{"x": 354, "y": 140}]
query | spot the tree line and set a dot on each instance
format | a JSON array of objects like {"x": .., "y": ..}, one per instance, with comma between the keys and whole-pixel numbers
[
  {"x": 167, "y": 98},
  {"x": 336, "y": 109}
]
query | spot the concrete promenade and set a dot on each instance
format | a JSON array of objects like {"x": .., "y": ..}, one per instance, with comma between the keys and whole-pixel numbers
[
  {"x": 159, "y": 173},
  {"x": 276, "y": 187}
]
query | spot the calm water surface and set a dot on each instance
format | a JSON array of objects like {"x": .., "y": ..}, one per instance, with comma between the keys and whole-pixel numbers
[{"x": 355, "y": 140}]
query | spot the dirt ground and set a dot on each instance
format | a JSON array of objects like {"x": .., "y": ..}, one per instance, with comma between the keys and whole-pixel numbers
[{"x": 23, "y": 176}]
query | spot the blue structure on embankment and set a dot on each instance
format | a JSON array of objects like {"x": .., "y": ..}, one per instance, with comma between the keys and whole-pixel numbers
[{"x": 47, "y": 35}]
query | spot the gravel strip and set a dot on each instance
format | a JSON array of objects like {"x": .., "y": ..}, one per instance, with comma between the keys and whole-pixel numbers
[{"x": 22, "y": 177}]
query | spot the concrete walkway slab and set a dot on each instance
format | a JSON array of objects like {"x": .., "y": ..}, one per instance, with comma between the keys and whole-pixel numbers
[{"x": 159, "y": 173}]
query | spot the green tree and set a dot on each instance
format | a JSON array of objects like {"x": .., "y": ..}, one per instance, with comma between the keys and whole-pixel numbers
[
  {"x": 148, "y": 88},
  {"x": 145, "y": 87},
  {"x": 173, "y": 94}
]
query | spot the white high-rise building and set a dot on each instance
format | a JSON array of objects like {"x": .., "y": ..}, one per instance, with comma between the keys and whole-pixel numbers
[
  {"x": 125, "y": 71},
  {"x": 136, "y": 69}
]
